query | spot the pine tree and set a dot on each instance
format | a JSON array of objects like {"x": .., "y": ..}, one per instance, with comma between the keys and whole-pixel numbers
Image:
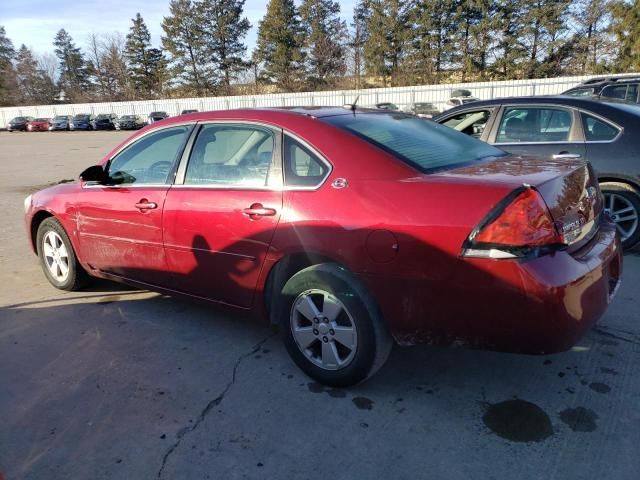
[
  {"x": 325, "y": 38},
  {"x": 389, "y": 28},
  {"x": 591, "y": 18},
  {"x": 34, "y": 85},
  {"x": 279, "y": 47},
  {"x": 509, "y": 52},
  {"x": 7, "y": 74},
  {"x": 224, "y": 31},
  {"x": 625, "y": 25},
  {"x": 358, "y": 39},
  {"x": 185, "y": 40},
  {"x": 146, "y": 63},
  {"x": 74, "y": 70},
  {"x": 473, "y": 37}
]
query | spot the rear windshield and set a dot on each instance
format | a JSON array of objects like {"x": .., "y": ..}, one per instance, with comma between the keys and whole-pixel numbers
[
  {"x": 41, "y": 120},
  {"x": 127, "y": 117},
  {"x": 19, "y": 119},
  {"x": 61, "y": 117},
  {"x": 81, "y": 117},
  {"x": 423, "y": 144}
]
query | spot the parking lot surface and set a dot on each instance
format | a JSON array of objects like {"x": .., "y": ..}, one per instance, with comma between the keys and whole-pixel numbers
[{"x": 116, "y": 383}]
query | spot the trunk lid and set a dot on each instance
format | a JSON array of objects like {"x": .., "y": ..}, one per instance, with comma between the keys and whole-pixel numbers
[{"x": 568, "y": 187}]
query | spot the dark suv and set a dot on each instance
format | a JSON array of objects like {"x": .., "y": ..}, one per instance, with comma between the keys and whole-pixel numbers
[{"x": 606, "y": 87}]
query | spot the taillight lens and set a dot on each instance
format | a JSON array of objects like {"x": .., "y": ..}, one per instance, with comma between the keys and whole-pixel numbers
[{"x": 524, "y": 223}]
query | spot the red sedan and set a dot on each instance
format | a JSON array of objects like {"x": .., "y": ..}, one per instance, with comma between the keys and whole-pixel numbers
[
  {"x": 349, "y": 229},
  {"x": 39, "y": 125}
]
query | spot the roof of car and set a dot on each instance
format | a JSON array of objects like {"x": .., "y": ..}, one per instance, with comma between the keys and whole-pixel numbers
[{"x": 578, "y": 102}]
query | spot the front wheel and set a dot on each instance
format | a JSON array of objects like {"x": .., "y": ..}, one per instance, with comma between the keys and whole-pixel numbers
[
  {"x": 622, "y": 203},
  {"x": 331, "y": 326},
  {"x": 57, "y": 258}
]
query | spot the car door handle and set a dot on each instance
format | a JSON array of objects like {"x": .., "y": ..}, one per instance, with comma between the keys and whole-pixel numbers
[
  {"x": 257, "y": 210},
  {"x": 145, "y": 204},
  {"x": 566, "y": 155}
]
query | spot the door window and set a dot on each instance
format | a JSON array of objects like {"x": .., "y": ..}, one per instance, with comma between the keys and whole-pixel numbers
[
  {"x": 472, "y": 123},
  {"x": 534, "y": 125},
  {"x": 615, "y": 91},
  {"x": 596, "y": 130},
  {"x": 149, "y": 160},
  {"x": 302, "y": 168},
  {"x": 231, "y": 155}
]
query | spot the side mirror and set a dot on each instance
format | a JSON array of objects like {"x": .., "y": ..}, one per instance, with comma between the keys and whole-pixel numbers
[{"x": 94, "y": 174}]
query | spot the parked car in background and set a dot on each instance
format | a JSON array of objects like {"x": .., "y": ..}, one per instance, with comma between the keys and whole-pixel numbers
[
  {"x": 104, "y": 121},
  {"x": 60, "y": 122},
  {"x": 423, "y": 109},
  {"x": 81, "y": 122},
  {"x": 156, "y": 116},
  {"x": 623, "y": 91},
  {"x": 387, "y": 106},
  {"x": 605, "y": 133},
  {"x": 39, "y": 125},
  {"x": 129, "y": 122},
  {"x": 18, "y": 124},
  {"x": 349, "y": 228},
  {"x": 459, "y": 97},
  {"x": 185, "y": 112},
  {"x": 594, "y": 86}
]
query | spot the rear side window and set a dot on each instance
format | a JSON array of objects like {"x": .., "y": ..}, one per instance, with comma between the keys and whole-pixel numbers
[
  {"x": 595, "y": 130},
  {"x": 534, "y": 125},
  {"x": 302, "y": 168},
  {"x": 231, "y": 155},
  {"x": 423, "y": 144}
]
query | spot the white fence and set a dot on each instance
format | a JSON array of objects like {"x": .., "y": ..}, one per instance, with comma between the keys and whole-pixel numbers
[{"x": 436, "y": 94}]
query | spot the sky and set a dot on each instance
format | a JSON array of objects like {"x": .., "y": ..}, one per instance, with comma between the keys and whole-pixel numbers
[{"x": 35, "y": 22}]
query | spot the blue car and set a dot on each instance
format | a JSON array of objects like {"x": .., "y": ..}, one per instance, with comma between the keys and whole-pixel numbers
[{"x": 81, "y": 122}]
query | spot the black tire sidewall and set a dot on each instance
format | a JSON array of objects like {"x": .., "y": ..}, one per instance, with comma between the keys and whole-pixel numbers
[
  {"x": 362, "y": 363},
  {"x": 73, "y": 279},
  {"x": 634, "y": 199}
]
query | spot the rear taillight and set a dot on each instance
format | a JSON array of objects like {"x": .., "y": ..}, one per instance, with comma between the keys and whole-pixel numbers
[{"x": 520, "y": 225}]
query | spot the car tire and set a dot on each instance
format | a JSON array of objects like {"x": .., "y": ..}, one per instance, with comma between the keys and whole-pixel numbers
[
  {"x": 57, "y": 257},
  {"x": 619, "y": 197},
  {"x": 345, "y": 310}
]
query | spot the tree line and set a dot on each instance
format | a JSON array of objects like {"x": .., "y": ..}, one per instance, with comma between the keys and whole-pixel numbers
[{"x": 311, "y": 47}]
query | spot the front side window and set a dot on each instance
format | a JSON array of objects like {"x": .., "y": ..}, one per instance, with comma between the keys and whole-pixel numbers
[
  {"x": 534, "y": 125},
  {"x": 231, "y": 155},
  {"x": 595, "y": 130},
  {"x": 302, "y": 168},
  {"x": 149, "y": 160},
  {"x": 471, "y": 123},
  {"x": 425, "y": 145}
]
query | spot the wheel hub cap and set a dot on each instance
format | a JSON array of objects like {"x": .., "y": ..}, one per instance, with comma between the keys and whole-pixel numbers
[
  {"x": 623, "y": 214},
  {"x": 323, "y": 329},
  {"x": 55, "y": 256}
]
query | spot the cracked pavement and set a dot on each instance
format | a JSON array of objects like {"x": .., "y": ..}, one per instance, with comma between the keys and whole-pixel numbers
[{"x": 114, "y": 383}]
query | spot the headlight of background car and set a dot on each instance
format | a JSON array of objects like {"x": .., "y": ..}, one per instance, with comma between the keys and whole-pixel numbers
[{"x": 27, "y": 204}]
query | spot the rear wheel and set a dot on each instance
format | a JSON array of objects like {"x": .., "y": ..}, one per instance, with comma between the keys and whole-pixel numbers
[
  {"x": 57, "y": 257},
  {"x": 622, "y": 203},
  {"x": 331, "y": 327}
]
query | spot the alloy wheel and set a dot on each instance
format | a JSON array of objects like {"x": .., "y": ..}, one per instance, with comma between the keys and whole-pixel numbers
[
  {"x": 323, "y": 329},
  {"x": 623, "y": 214},
  {"x": 56, "y": 256}
]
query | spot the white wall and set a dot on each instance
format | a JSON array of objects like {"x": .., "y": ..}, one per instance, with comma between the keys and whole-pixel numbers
[{"x": 437, "y": 94}]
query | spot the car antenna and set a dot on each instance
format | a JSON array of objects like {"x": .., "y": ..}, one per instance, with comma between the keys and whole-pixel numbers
[{"x": 352, "y": 106}]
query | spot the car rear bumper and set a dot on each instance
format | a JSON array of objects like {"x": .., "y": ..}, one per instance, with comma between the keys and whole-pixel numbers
[{"x": 541, "y": 305}]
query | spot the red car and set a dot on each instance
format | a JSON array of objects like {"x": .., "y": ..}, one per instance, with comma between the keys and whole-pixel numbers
[
  {"x": 350, "y": 229},
  {"x": 39, "y": 125}
]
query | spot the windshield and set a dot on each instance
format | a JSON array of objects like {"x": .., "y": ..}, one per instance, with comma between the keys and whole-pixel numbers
[
  {"x": 19, "y": 119},
  {"x": 81, "y": 117},
  {"x": 127, "y": 117},
  {"x": 61, "y": 117},
  {"x": 41, "y": 120},
  {"x": 102, "y": 116},
  {"x": 425, "y": 145},
  {"x": 157, "y": 114}
]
